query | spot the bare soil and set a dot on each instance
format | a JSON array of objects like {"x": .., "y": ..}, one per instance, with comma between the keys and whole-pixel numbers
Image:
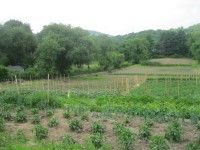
[{"x": 56, "y": 133}]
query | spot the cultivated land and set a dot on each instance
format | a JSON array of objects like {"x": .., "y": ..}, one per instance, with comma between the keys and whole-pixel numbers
[{"x": 146, "y": 100}]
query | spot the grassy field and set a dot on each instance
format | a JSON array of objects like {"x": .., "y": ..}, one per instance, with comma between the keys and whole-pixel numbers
[{"x": 139, "y": 107}]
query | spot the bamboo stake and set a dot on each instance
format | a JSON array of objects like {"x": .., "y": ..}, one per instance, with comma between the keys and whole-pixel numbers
[{"x": 48, "y": 91}]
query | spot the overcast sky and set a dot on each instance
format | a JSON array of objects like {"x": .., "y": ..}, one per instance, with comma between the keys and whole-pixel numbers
[{"x": 108, "y": 16}]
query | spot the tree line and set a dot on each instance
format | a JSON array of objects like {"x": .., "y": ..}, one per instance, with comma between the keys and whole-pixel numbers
[{"x": 58, "y": 47}]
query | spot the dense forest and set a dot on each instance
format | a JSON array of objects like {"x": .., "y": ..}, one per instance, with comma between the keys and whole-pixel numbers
[{"x": 58, "y": 47}]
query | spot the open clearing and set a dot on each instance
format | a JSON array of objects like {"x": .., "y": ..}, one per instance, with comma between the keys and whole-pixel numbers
[{"x": 173, "y": 61}]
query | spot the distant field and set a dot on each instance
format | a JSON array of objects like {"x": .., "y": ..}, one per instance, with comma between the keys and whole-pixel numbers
[
  {"x": 173, "y": 61},
  {"x": 156, "y": 70}
]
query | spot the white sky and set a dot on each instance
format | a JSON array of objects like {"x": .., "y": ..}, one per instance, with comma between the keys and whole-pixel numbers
[{"x": 107, "y": 16}]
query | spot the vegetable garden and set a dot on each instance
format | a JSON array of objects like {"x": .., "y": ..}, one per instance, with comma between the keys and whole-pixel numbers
[{"x": 100, "y": 111}]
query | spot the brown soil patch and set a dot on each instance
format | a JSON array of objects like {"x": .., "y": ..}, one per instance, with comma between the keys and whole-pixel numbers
[{"x": 56, "y": 133}]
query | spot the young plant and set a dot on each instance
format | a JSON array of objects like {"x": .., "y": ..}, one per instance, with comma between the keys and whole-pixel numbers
[
  {"x": 2, "y": 124},
  {"x": 97, "y": 128},
  {"x": 49, "y": 113},
  {"x": 174, "y": 132},
  {"x": 36, "y": 119},
  {"x": 126, "y": 138},
  {"x": 97, "y": 140},
  {"x": 127, "y": 120},
  {"x": 158, "y": 143},
  {"x": 68, "y": 140},
  {"x": 66, "y": 115},
  {"x": 75, "y": 125},
  {"x": 20, "y": 135},
  {"x": 148, "y": 122},
  {"x": 84, "y": 116},
  {"x": 40, "y": 132},
  {"x": 21, "y": 116},
  {"x": 53, "y": 122},
  {"x": 35, "y": 111},
  {"x": 6, "y": 114},
  {"x": 144, "y": 132}
]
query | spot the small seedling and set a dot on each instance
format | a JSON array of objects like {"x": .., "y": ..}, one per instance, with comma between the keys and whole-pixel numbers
[
  {"x": 97, "y": 128},
  {"x": 66, "y": 115},
  {"x": 84, "y": 117},
  {"x": 75, "y": 125},
  {"x": 36, "y": 119}
]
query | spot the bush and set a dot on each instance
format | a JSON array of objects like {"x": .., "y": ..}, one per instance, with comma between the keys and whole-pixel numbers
[
  {"x": 40, "y": 132},
  {"x": 4, "y": 73},
  {"x": 144, "y": 132},
  {"x": 21, "y": 116},
  {"x": 53, "y": 122},
  {"x": 36, "y": 119},
  {"x": 97, "y": 128},
  {"x": 174, "y": 132},
  {"x": 158, "y": 143},
  {"x": 75, "y": 125},
  {"x": 2, "y": 124}
]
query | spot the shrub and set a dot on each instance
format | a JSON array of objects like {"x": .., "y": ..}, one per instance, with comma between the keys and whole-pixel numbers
[
  {"x": 97, "y": 139},
  {"x": 40, "y": 132},
  {"x": 4, "y": 73},
  {"x": 144, "y": 132},
  {"x": 21, "y": 116},
  {"x": 66, "y": 115},
  {"x": 2, "y": 124},
  {"x": 75, "y": 125},
  {"x": 158, "y": 143},
  {"x": 97, "y": 128},
  {"x": 36, "y": 119},
  {"x": 174, "y": 132},
  {"x": 53, "y": 122}
]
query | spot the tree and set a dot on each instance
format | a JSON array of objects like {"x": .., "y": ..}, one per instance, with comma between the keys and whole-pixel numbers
[
  {"x": 135, "y": 50},
  {"x": 195, "y": 49},
  {"x": 18, "y": 43},
  {"x": 47, "y": 55}
]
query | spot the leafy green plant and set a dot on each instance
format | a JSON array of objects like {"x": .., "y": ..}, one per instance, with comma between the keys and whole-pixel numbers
[
  {"x": 20, "y": 135},
  {"x": 84, "y": 116},
  {"x": 68, "y": 140},
  {"x": 144, "y": 132},
  {"x": 97, "y": 128},
  {"x": 35, "y": 111},
  {"x": 49, "y": 112},
  {"x": 193, "y": 146},
  {"x": 2, "y": 124},
  {"x": 36, "y": 119},
  {"x": 127, "y": 120},
  {"x": 148, "y": 122},
  {"x": 21, "y": 116},
  {"x": 7, "y": 115},
  {"x": 174, "y": 132},
  {"x": 66, "y": 115},
  {"x": 158, "y": 143},
  {"x": 126, "y": 138},
  {"x": 75, "y": 125},
  {"x": 198, "y": 125},
  {"x": 40, "y": 132},
  {"x": 20, "y": 108},
  {"x": 53, "y": 122},
  {"x": 97, "y": 139}
]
